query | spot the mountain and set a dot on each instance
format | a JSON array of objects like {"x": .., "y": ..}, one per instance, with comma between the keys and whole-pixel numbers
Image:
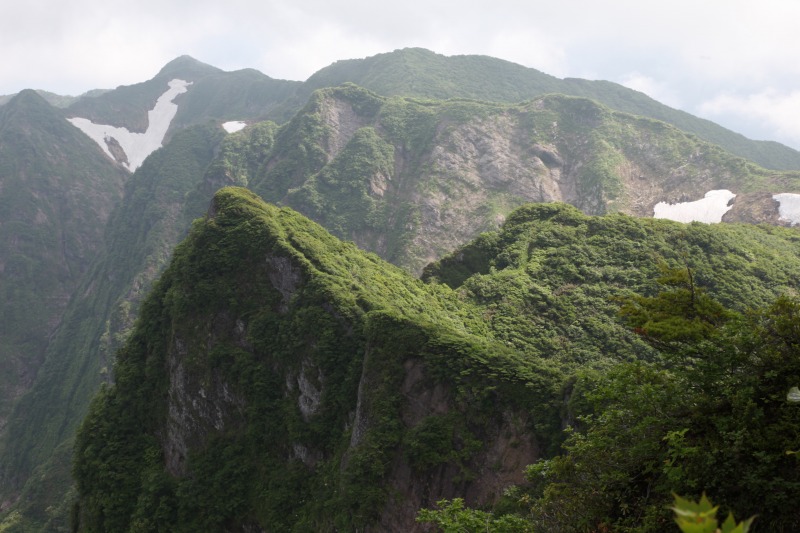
[
  {"x": 406, "y": 177},
  {"x": 250, "y": 95},
  {"x": 130, "y": 122},
  {"x": 280, "y": 379},
  {"x": 56, "y": 194},
  {"x": 140, "y": 234},
  {"x": 57, "y": 100},
  {"x": 412, "y": 180},
  {"x": 420, "y": 72}
]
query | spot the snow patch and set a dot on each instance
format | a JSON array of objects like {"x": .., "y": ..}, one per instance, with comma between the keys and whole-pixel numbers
[
  {"x": 233, "y": 126},
  {"x": 789, "y": 207},
  {"x": 137, "y": 146},
  {"x": 710, "y": 209}
]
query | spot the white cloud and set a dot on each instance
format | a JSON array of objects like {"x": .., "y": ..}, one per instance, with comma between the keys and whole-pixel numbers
[
  {"x": 774, "y": 113},
  {"x": 531, "y": 49},
  {"x": 652, "y": 88}
]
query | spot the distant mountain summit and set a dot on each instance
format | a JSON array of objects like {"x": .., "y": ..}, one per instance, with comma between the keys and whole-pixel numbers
[
  {"x": 188, "y": 68},
  {"x": 420, "y": 72},
  {"x": 122, "y": 117}
]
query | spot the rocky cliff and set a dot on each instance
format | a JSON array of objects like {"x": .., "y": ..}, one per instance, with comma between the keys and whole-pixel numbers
[
  {"x": 412, "y": 179},
  {"x": 279, "y": 378}
]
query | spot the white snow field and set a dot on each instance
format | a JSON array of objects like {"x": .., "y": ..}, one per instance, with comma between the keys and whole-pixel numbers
[
  {"x": 710, "y": 209},
  {"x": 138, "y": 146},
  {"x": 789, "y": 207},
  {"x": 234, "y": 126}
]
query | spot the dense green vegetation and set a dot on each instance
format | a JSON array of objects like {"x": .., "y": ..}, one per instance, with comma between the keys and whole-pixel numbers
[
  {"x": 369, "y": 320},
  {"x": 56, "y": 192},
  {"x": 512, "y": 324},
  {"x": 411, "y": 179},
  {"x": 703, "y": 408},
  {"x": 137, "y": 244},
  {"x": 268, "y": 380},
  {"x": 712, "y": 416},
  {"x": 420, "y": 72}
]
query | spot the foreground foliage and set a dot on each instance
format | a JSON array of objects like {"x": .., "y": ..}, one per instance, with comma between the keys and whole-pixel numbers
[
  {"x": 266, "y": 383},
  {"x": 701, "y": 517},
  {"x": 713, "y": 416}
]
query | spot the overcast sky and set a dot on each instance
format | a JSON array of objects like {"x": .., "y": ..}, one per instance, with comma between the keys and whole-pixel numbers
[{"x": 732, "y": 61}]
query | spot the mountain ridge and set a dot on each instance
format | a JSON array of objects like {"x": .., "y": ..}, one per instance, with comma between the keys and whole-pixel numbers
[{"x": 428, "y": 74}]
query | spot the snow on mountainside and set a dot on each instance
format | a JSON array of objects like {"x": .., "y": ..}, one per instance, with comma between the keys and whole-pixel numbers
[
  {"x": 789, "y": 209},
  {"x": 136, "y": 146},
  {"x": 234, "y": 126},
  {"x": 715, "y": 204},
  {"x": 710, "y": 209}
]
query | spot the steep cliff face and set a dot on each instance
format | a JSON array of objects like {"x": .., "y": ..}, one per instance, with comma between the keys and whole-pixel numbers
[{"x": 281, "y": 378}]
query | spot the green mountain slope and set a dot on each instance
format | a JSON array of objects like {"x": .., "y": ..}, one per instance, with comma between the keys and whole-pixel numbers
[
  {"x": 313, "y": 418},
  {"x": 553, "y": 278},
  {"x": 409, "y": 178},
  {"x": 420, "y": 72},
  {"x": 250, "y": 95},
  {"x": 55, "y": 197},
  {"x": 281, "y": 379},
  {"x": 412, "y": 179},
  {"x": 138, "y": 242}
]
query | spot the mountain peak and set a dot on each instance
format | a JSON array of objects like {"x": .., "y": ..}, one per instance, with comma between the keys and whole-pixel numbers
[
  {"x": 27, "y": 106},
  {"x": 27, "y": 97},
  {"x": 186, "y": 67}
]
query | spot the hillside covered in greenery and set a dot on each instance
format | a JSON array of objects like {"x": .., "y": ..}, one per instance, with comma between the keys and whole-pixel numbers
[
  {"x": 56, "y": 194},
  {"x": 282, "y": 379},
  {"x": 414, "y": 72},
  {"x": 135, "y": 247},
  {"x": 434, "y": 155},
  {"x": 412, "y": 179},
  {"x": 423, "y": 73}
]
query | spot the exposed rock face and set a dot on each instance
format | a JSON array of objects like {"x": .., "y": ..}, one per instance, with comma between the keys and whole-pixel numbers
[
  {"x": 284, "y": 277},
  {"x": 310, "y": 392},
  {"x": 342, "y": 122},
  {"x": 196, "y": 409},
  {"x": 476, "y": 173},
  {"x": 508, "y": 446},
  {"x": 456, "y": 169}
]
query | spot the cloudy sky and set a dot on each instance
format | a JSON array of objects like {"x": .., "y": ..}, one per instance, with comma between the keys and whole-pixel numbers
[{"x": 732, "y": 61}]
